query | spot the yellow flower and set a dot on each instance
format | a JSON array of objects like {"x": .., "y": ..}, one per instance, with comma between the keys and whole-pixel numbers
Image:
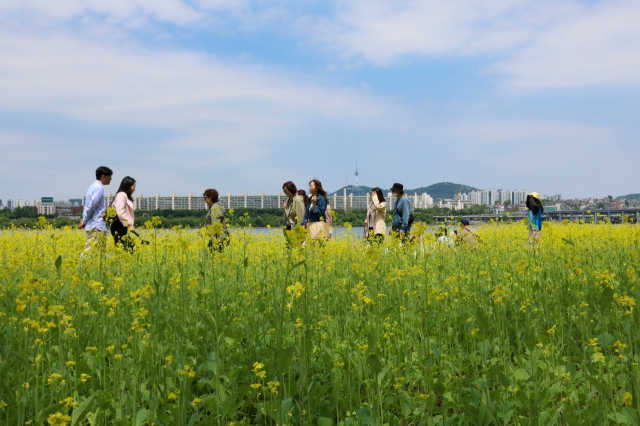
[
  {"x": 3, "y": 404},
  {"x": 67, "y": 401},
  {"x": 273, "y": 386},
  {"x": 627, "y": 399},
  {"x": 70, "y": 363},
  {"x": 255, "y": 385},
  {"x": 172, "y": 396},
  {"x": 169, "y": 359},
  {"x": 53, "y": 378},
  {"x": 84, "y": 377},
  {"x": 196, "y": 401},
  {"x": 58, "y": 419}
]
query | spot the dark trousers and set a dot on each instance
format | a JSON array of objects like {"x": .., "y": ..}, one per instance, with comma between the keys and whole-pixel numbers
[{"x": 121, "y": 237}]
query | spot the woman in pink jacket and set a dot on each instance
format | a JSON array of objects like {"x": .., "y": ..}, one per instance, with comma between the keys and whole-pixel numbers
[{"x": 124, "y": 220}]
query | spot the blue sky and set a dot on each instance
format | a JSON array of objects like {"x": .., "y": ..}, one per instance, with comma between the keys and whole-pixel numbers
[{"x": 243, "y": 95}]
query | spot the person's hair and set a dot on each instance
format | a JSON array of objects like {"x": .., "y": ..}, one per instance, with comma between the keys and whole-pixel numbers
[
  {"x": 379, "y": 194},
  {"x": 125, "y": 186},
  {"x": 290, "y": 186},
  {"x": 319, "y": 188},
  {"x": 305, "y": 197},
  {"x": 103, "y": 171},
  {"x": 211, "y": 193}
]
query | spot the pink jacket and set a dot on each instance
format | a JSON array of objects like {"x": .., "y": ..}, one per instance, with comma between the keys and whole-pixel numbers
[{"x": 124, "y": 210}]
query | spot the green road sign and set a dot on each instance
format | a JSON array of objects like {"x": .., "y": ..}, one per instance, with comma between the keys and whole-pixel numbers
[{"x": 47, "y": 199}]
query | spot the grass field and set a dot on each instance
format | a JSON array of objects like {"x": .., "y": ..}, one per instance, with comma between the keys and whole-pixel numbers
[{"x": 330, "y": 334}]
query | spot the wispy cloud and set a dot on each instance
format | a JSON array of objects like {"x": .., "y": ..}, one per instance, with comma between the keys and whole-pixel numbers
[{"x": 533, "y": 44}]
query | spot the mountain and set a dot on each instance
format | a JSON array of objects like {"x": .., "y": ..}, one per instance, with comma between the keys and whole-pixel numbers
[
  {"x": 631, "y": 197},
  {"x": 356, "y": 190},
  {"x": 442, "y": 190},
  {"x": 437, "y": 190}
]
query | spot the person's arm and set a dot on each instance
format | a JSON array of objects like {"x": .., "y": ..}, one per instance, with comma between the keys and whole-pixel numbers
[
  {"x": 320, "y": 206},
  {"x": 120, "y": 205},
  {"x": 380, "y": 206},
  {"x": 298, "y": 205},
  {"x": 90, "y": 205},
  {"x": 405, "y": 216}
]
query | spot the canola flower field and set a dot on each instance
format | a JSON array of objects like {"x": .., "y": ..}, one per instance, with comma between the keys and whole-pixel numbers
[{"x": 336, "y": 333}]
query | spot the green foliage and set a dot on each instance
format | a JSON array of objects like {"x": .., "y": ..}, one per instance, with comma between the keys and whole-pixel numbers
[{"x": 335, "y": 333}]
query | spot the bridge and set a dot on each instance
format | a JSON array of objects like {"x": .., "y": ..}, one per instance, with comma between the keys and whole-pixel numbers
[{"x": 593, "y": 216}]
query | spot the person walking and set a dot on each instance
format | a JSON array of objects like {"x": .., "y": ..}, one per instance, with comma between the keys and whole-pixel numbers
[
  {"x": 534, "y": 218},
  {"x": 315, "y": 213},
  {"x": 443, "y": 238},
  {"x": 95, "y": 207},
  {"x": 215, "y": 221},
  {"x": 466, "y": 235},
  {"x": 401, "y": 223},
  {"x": 294, "y": 206},
  {"x": 374, "y": 224},
  {"x": 124, "y": 220}
]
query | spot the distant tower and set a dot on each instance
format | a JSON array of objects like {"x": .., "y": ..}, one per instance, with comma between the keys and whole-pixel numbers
[{"x": 357, "y": 174}]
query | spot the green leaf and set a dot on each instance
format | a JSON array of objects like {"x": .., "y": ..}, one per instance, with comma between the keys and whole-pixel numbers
[
  {"x": 632, "y": 416},
  {"x": 48, "y": 411},
  {"x": 605, "y": 340},
  {"x": 285, "y": 360},
  {"x": 606, "y": 299},
  {"x": 405, "y": 405},
  {"x": 80, "y": 412},
  {"x": 385, "y": 313},
  {"x": 503, "y": 379},
  {"x": 601, "y": 387},
  {"x": 521, "y": 374},
  {"x": 530, "y": 341},
  {"x": 364, "y": 414},
  {"x": 142, "y": 416},
  {"x": 325, "y": 421},
  {"x": 59, "y": 262},
  {"x": 374, "y": 363}
]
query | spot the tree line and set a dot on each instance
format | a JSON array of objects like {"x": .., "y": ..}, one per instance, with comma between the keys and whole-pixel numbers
[{"x": 27, "y": 217}]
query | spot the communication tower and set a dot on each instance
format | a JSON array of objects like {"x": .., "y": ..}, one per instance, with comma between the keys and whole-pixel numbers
[{"x": 357, "y": 174}]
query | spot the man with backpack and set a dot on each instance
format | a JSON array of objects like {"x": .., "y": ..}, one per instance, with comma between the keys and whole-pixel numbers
[{"x": 402, "y": 217}]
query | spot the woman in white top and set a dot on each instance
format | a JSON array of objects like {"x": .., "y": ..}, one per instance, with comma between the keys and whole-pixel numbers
[
  {"x": 124, "y": 223},
  {"x": 374, "y": 224}
]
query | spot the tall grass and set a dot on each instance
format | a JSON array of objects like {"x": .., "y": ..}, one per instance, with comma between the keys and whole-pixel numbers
[{"x": 337, "y": 333}]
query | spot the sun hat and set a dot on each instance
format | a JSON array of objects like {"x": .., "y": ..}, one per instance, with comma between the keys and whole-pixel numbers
[
  {"x": 535, "y": 194},
  {"x": 397, "y": 187}
]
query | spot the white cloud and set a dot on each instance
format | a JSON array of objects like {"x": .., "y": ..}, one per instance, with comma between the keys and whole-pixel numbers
[
  {"x": 113, "y": 11},
  {"x": 98, "y": 81},
  {"x": 533, "y": 44},
  {"x": 597, "y": 46}
]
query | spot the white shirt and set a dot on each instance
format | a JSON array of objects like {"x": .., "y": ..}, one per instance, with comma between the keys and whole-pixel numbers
[{"x": 94, "y": 207}]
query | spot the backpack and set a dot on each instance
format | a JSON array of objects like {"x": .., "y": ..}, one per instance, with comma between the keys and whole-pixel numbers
[{"x": 327, "y": 215}]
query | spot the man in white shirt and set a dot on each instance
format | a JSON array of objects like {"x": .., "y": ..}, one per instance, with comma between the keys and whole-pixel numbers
[{"x": 94, "y": 208}]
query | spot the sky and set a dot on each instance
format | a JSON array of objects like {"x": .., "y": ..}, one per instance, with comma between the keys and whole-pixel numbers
[{"x": 244, "y": 95}]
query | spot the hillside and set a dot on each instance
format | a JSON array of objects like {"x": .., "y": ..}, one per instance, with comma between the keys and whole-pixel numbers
[
  {"x": 442, "y": 190},
  {"x": 631, "y": 197},
  {"x": 360, "y": 190},
  {"x": 437, "y": 190}
]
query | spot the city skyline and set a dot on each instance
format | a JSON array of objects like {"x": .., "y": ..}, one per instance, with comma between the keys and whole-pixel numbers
[{"x": 245, "y": 95}]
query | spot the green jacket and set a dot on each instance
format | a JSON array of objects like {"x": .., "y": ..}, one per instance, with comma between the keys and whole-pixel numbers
[
  {"x": 294, "y": 210},
  {"x": 215, "y": 213}
]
